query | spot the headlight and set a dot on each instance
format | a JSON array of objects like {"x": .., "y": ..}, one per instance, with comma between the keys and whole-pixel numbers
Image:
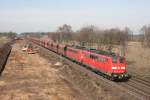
[
  {"x": 122, "y": 67},
  {"x": 114, "y": 67}
]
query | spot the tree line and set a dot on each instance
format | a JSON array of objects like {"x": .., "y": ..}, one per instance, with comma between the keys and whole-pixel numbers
[
  {"x": 10, "y": 35},
  {"x": 88, "y": 34},
  {"x": 92, "y": 35},
  {"x": 145, "y": 35}
]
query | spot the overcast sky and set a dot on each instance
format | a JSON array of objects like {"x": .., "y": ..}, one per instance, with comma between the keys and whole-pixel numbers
[{"x": 47, "y": 15}]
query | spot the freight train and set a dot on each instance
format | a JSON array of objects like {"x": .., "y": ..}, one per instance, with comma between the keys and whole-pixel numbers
[{"x": 109, "y": 64}]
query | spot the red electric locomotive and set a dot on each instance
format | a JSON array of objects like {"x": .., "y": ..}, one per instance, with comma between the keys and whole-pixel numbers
[{"x": 111, "y": 65}]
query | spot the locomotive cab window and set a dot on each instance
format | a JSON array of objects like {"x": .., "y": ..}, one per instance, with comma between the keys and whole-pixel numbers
[
  {"x": 94, "y": 57},
  {"x": 114, "y": 59},
  {"x": 65, "y": 48},
  {"x": 100, "y": 59},
  {"x": 122, "y": 59}
]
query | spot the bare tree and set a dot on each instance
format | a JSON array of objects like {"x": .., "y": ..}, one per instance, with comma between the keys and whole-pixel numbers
[
  {"x": 86, "y": 35},
  {"x": 11, "y": 35},
  {"x": 146, "y": 35},
  {"x": 64, "y": 32}
]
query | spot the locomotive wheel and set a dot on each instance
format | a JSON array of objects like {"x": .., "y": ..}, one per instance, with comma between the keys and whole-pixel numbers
[{"x": 112, "y": 78}]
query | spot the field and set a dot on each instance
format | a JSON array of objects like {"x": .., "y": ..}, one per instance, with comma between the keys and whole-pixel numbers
[
  {"x": 3, "y": 40},
  {"x": 138, "y": 60}
]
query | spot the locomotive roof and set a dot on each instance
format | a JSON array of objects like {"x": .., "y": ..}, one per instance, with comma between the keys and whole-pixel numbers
[{"x": 106, "y": 53}]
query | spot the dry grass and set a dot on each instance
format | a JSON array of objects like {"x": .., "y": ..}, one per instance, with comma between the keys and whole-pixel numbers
[
  {"x": 138, "y": 59},
  {"x": 3, "y": 40}
]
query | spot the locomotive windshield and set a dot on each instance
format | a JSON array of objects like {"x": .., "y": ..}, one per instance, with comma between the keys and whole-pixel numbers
[
  {"x": 114, "y": 59},
  {"x": 121, "y": 59}
]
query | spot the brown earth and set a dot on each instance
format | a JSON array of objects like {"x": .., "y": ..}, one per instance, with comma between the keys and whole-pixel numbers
[{"x": 4, "y": 53}]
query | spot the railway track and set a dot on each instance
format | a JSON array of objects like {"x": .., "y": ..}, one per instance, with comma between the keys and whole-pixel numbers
[
  {"x": 138, "y": 88},
  {"x": 143, "y": 81},
  {"x": 135, "y": 87}
]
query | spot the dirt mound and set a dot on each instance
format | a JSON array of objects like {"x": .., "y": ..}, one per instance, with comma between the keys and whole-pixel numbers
[{"x": 4, "y": 52}]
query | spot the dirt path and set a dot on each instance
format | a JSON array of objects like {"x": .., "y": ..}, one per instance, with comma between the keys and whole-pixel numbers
[{"x": 31, "y": 77}]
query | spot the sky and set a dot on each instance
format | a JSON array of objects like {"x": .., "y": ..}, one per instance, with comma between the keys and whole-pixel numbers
[{"x": 47, "y": 15}]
